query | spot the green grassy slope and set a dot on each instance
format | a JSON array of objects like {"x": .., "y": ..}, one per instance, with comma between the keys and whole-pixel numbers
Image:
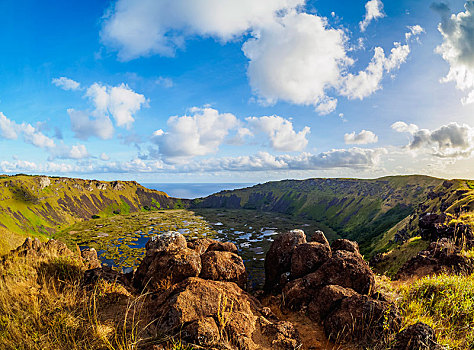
[
  {"x": 40, "y": 206},
  {"x": 361, "y": 210}
]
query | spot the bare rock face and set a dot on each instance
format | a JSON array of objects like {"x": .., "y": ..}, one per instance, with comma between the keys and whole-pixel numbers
[
  {"x": 418, "y": 336},
  {"x": 169, "y": 241},
  {"x": 203, "y": 332},
  {"x": 442, "y": 255},
  {"x": 200, "y": 245},
  {"x": 326, "y": 300},
  {"x": 278, "y": 259},
  {"x": 34, "y": 247},
  {"x": 319, "y": 237},
  {"x": 308, "y": 257},
  {"x": 345, "y": 244},
  {"x": 223, "y": 266},
  {"x": 348, "y": 270},
  {"x": 222, "y": 247},
  {"x": 89, "y": 256},
  {"x": 361, "y": 319},
  {"x": 44, "y": 182},
  {"x": 161, "y": 269},
  {"x": 215, "y": 313}
]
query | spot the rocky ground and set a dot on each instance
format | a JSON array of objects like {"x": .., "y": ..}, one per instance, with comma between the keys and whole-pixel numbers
[{"x": 316, "y": 296}]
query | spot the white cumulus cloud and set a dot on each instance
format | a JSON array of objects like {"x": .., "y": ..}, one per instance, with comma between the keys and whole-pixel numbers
[
  {"x": 280, "y": 132},
  {"x": 120, "y": 102},
  {"x": 452, "y": 140},
  {"x": 66, "y": 83},
  {"x": 143, "y": 27},
  {"x": 457, "y": 48},
  {"x": 373, "y": 11},
  {"x": 197, "y": 134},
  {"x": 296, "y": 59},
  {"x": 363, "y": 138}
]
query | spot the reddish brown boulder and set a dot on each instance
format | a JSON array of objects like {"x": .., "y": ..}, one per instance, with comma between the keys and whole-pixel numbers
[
  {"x": 296, "y": 294},
  {"x": 308, "y": 257},
  {"x": 320, "y": 237},
  {"x": 440, "y": 256},
  {"x": 284, "y": 334},
  {"x": 165, "y": 268},
  {"x": 345, "y": 244},
  {"x": 168, "y": 241},
  {"x": 278, "y": 259},
  {"x": 195, "y": 301},
  {"x": 418, "y": 336},
  {"x": 362, "y": 319},
  {"x": 327, "y": 299},
  {"x": 223, "y": 266},
  {"x": 203, "y": 332},
  {"x": 222, "y": 247},
  {"x": 90, "y": 259},
  {"x": 345, "y": 269},
  {"x": 200, "y": 245}
]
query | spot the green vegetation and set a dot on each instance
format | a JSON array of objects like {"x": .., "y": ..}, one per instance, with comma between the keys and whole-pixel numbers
[
  {"x": 38, "y": 206},
  {"x": 399, "y": 255},
  {"x": 361, "y": 210},
  {"x": 444, "y": 302},
  {"x": 121, "y": 238}
]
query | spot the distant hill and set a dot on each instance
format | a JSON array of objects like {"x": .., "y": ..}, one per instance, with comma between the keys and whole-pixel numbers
[
  {"x": 371, "y": 211},
  {"x": 40, "y": 205}
]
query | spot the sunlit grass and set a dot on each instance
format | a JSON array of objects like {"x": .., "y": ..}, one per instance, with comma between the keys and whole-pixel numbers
[{"x": 444, "y": 302}]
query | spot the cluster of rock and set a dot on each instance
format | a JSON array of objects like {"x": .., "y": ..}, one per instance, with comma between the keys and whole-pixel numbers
[
  {"x": 332, "y": 284},
  {"x": 441, "y": 256},
  {"x": 433, "y": 227},
  {"x": 199, "y": 288}
]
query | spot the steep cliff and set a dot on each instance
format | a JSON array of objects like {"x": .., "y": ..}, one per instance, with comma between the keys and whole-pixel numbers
[
  {"x": 40, "y": 205},
  {"x": 361, "y": 210}
]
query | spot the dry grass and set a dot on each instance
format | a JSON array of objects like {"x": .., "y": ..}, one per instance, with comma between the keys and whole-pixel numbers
[{"x": 43, "y": 306}]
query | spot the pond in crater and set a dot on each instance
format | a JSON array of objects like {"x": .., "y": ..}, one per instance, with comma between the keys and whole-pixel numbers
[{"x": 120, "y": 240}]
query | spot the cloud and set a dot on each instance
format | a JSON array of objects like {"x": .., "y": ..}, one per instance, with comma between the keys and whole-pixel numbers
[
  {"x": 84, "y": 126},
  {"x": 281, "y": 133},
  {"x": 69, "y": 152},
  {"x": 366, "y": 82},
  {"x": 294, "y": 56},
  {"x": 165, "y": 82},
  {"x": 193, "y": 135},
  {"x": 120, "y": 102},
  {"x": 404, "y": 127},
  {"x": 449, "y": 141},
  {"x": 66, "y": 83},
  {"x": 9, "y": 129},
  {"x": 363, "y": 138},
  {"x": 373, "y": 11},
  {"x": 457, "y": 48},
  {"x": 104, "y": 157},
  {"x": 138, "y": 28},
  {"x": 286, "y": 63},
  {"x": 354, "y": 158},
  {"x": 286, "y": 60}
]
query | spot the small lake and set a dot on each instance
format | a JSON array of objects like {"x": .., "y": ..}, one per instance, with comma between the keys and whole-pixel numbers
[{"x": 120, "y": 240}]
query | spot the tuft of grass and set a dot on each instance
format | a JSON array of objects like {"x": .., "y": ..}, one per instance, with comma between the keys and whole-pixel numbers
[
  {"x": 44, "y": 306},
  {"x": 444, "y": 302}
]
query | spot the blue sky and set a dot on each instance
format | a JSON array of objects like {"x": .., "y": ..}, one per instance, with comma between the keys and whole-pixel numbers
[{"x": 236, "y": 90}]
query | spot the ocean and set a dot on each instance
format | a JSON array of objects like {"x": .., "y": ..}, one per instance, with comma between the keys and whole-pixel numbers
[{"x": 194, "y": 190}]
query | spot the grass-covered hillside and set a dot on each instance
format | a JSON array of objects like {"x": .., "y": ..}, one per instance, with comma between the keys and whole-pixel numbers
[
  {"x": 361, "y": 210},
  {"x": 40, "y": 206}
]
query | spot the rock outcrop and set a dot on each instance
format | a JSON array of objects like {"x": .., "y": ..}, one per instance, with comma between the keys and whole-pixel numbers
[
  {"x": 443, "y": 255},
  {"x": 333, "y": 285},
  {"x": 198, "y": 289},
  {"x": 418, "y": 336},
  {"x": 434, "y": 227}
]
